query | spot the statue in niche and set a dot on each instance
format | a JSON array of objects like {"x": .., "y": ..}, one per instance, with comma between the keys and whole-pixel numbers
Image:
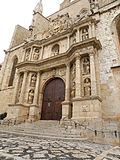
[
  {"x": 30, "y": 96},
  {"x": 55, "y": 49},
  {"x": 74, "y": 38},
  {"x": 86, "y": 66},
  {"x": 33, "y": 80},
  {"x": 87, "y": 87},
  {"x": 36, "y": 54},
  {"x": 27, "y": 55},
  {"x": 85, "y": 34}
]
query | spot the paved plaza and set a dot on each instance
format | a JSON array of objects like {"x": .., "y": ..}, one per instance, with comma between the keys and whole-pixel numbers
[{"x": 13, "y": 147}]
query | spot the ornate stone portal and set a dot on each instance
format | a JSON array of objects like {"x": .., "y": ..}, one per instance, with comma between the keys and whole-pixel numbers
[{"x": 75, "y": 45}]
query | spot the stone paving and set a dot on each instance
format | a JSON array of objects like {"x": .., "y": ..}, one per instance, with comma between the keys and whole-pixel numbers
[{"x": 14, "y": 147}]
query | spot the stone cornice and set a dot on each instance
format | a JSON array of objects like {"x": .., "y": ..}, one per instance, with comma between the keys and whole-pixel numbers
[
  {"x": 62, "y": 35},
  {"x": 60, "y": 60}
]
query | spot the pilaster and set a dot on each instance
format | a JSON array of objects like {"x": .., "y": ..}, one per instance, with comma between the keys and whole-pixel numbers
[
  {"x": 93, "y": 75},
  {"x": 23, "y": 88},
  {"x": 78, "y": 78}
]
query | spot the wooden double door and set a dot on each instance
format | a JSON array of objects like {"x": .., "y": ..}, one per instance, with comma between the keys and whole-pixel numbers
[{"x": 54, "y": 95}]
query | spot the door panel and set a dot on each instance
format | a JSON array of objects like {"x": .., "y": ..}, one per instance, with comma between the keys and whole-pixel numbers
[{"x": 53, "y": 96}]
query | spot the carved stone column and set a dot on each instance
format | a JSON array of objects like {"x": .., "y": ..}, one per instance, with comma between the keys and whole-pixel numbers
[
  {"x": 90, "y": 30},
  {"x": 78, "y": 35},
  {"x": 35, "y": 101},
  {"x": 93, "y": 75},
  {"x": 78, "y": 78},
  {"x": 66, "y": 110},
  {"x": 23, "y": 87},
  {"x": 67, "y": 90},
  {"x": 42, "y": 52},
  {"x": 16, "y": 88}
]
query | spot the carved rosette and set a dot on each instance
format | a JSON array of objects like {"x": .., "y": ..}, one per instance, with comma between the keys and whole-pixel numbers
[
  {"x": 73, "y": 76},
  {"x": 86, "y": 81}
]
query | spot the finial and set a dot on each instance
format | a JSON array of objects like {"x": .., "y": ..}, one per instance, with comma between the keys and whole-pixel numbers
[{"x": 39, "y": 7}]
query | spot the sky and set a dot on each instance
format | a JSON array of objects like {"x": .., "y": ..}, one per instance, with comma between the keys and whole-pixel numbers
[{"x": 13, "y": 12}]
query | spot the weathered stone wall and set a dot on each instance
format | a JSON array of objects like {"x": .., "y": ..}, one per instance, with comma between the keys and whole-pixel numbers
[
  {"x": 7, "y": 93},
  {"x": 19, "y": 35},
  {"x": 108, "y": 57},
  {"x": 72, "y": 9}
]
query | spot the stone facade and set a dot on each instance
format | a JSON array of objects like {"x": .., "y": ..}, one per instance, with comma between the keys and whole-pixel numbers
[{"x": 79, "y": 44}]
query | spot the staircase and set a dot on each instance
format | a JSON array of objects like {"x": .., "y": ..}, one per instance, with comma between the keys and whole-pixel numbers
[{"x": 50, "y": 130}]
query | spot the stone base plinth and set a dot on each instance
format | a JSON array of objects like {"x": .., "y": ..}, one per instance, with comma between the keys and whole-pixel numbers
[
  {"x": 66, "y": 110},
  {"x": 86, "y": 109},
  {"x": 17, "y": 112},
  {"x": 34, "y": 113}
]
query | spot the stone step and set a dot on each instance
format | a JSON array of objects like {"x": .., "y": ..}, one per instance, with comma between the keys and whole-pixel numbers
[
  {"x": 47, "y": 137},
  {"x": 44, "y": 130}
]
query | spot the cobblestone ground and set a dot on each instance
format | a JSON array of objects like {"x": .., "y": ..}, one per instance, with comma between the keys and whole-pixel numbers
[{"x": 19, "y": 148}]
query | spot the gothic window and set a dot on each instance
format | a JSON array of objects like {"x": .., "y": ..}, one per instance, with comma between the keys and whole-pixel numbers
[
  {"x": 55, "y": 49},
  {"x": 12, "y": 76}
]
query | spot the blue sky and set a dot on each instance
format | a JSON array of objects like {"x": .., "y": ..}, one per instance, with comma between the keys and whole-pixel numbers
[{"x": 13, "y": 12}]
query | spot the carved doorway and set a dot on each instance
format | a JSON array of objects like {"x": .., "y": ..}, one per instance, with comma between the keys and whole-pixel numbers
[{"x": 53, "y": 96}]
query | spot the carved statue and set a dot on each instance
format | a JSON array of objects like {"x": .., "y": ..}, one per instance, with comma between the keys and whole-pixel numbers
[
  {"x": 27, "y": 55},
  {"x": 36, "y": 54},
  {"x": 87, "y": 87},
  {"x": 33, "y": 80},
  {"x": 85, "y": 34},
  {"x": 30, "y": 96},
  {"x": 55, "y": 50},
  {"x": 86, "y": 66}
]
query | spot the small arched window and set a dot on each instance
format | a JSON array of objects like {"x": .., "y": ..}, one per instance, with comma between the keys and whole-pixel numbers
[
  {"x": 12, "y": 76},
  {"x": 55, "y": 49}
]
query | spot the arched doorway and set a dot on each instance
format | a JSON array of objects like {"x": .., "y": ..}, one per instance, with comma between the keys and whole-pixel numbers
[{"x": 53, "y": 96}]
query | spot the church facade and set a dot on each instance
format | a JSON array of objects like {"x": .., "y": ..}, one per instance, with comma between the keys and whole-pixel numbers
[{"x": 66, "y": 66}]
